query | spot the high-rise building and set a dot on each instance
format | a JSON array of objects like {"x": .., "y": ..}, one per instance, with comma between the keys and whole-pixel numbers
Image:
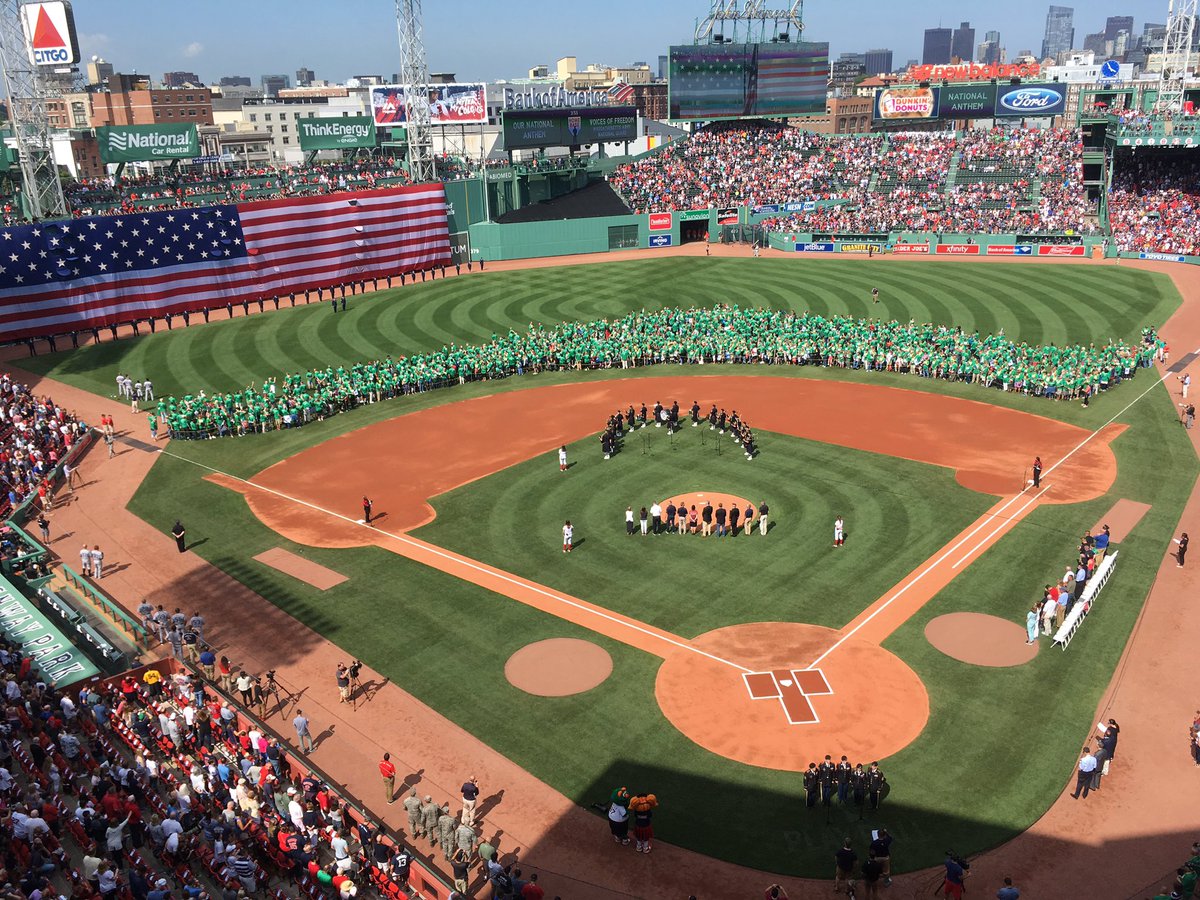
[
  {"x": 234, "y": 81},
  {"x": 273, "y": 84},
  {"x": 962, "y": 42},
  {"x": 1060, "y": 31},
  {"x": 1096, "y": 43},
  {"x": 878, "y": 62},
  {"x": 179, "y": 79},
  {"x": 937, "y": 46},
  {"x": 1116, "y": 24},
  {"x": 305, "y": 77},
  {"x": 98, "y": 70},
  {"x": 663, "y": 63},
  {"x": 989, "y": 50}
]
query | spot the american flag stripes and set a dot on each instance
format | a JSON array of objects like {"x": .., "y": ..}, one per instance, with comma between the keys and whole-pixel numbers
[{"x": 104, "y": 270}]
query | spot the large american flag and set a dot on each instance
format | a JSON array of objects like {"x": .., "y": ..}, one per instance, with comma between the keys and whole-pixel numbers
[{"x": 103, "y": 270}]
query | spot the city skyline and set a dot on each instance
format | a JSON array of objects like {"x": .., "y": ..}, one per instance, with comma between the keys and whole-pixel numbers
[{"x": 359, "y": 37}]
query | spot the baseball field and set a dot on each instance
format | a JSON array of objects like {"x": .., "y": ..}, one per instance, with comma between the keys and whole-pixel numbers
[{"x": 463, "y": 568}]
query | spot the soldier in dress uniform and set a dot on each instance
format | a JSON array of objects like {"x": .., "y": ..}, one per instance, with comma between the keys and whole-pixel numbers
[
  {"x": 658, "y": 408},
  {"x": 630, "y": 417},
  {"x": 674, "y": 417},
  {"x": 712, "y": 418},
  {"x": 412, "y": 805},
  {"x": 875, "y": 785},
  {"x": 828, "y": 775},
  {"x": 430, "y": 813},
  {"x": 695, "y": 413},
  {"x": 721, "y": 422},
  {"x": 642, "y": 416},
  {"x": 844, "y": 770},
  {"x": 858, "y": 785},
  {"x": 446, "y": 825},
  {"x": 812, "y": 782}
]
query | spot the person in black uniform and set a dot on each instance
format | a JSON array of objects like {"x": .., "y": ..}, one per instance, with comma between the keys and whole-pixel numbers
[
  {"x": 658, "y": 408},
  {"x": 642, "y": 416},
  {"x": 620, "y": 417},
  {"x": 674, "y": 414},
  {"x": 812, "y": 782},
  {"x": 179, "y": 533},
  {"x": 721, "y": 422},
  {"x": 630, "y": 417},
  {"x": 858, "y": 785},
  {"x": 671, "y": 510},
  {"x": 735, "y": 515},
  {"x": 606, "y": 445},
  {"x": 844, "y": 770},
  {"x": 875, "y": 785},
  {"x": 734, "y": 422},
  {"x": 712, "y": 417},
  {"x": 828, "y": 775},
  {"x": 695, "y": 413}
]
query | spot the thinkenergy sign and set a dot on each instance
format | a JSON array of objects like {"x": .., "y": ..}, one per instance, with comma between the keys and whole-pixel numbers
[{"x": 334, "y": 134}]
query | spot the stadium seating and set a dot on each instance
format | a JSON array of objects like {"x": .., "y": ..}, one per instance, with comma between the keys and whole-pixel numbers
[{"x": 1154, "y": 203}]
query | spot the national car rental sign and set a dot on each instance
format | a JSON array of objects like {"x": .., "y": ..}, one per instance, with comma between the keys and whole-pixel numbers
[{"x": 50, "y": 33}]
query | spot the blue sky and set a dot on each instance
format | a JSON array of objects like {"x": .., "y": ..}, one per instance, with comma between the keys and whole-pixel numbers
[{"x": 486, "y": 39}]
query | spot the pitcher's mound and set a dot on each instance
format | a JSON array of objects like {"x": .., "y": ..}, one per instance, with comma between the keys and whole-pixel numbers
[
  {"x": 558, "y": 667},
  {"x": 980, "y": 639}
]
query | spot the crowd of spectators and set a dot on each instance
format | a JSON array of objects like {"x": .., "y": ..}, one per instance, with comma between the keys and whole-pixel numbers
[
  {"x": 1006, "y": 181},
  {"x": 750, "y": 163},
  {"x": 1154, "y": 203},
  {"x": 110, "y": 196},
  {"x": 1132, "y": 122},
  {"x": 35, "y": 435},
  {"x": 721, "y": 334},
  {"x": 1184, "y": 885}
]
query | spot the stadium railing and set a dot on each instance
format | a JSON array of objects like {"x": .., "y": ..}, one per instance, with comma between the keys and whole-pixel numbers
[
  {"x": 132, "y": 628},
  {"x": 1083, "y": 605}
]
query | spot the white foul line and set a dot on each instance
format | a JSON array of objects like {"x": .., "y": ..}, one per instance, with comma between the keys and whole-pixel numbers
[
  {"x": 841, "y": 640},
  {"x": 1001, "y": 527},
  {"x": 468, "y": 563}
]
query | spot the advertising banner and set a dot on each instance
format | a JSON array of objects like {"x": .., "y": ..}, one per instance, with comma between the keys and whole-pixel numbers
[
  {"x": 692, "y": 215},
  {"x": 820, "y": 247},
  {"x": 50, "y": 33},
  {"x": 449, "y": 104},
  {"x": 60, "y": 661},
  {"x": 765, "y": 209},
  {"x": 147, "y": 143},
  {"x": 1010, "y": 250},
  {"x": 968, "y": 101},
  {"x": 660, "y": 221},
  {"x": 1031, "y": 100},
  {"x": 727, "y": 215},
  {"x": 973, "y": 72},
  {"x": 1061, "y": 250},
  {"x": 860, "y": 247},
  {"x": 336, "y": 134},
  {"x": 958, "y": 249},
  {"x": 908, "y": 102},
  {"x": 910, "y": 248},
  {"x": 1163, "y": 257},
  {"x": 568, "y": 127},
  {"x": 659, "y": 240}
]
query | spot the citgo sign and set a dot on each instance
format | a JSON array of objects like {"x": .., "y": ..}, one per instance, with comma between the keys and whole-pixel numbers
[
  {"x": 50, "y": 33},
  {"x": 147, "y": 143}
]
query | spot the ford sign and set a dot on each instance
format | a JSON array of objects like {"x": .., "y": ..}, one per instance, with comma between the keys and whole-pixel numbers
[{"x": 1030, "y": 101}]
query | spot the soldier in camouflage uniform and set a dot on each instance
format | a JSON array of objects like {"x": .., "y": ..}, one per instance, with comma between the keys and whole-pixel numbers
[
  {"x": 412, "y": 805},
  {"x": 464, "y": 839},
  {"x": 446, "y": 825},
  {"x": 430, "y": 812}
]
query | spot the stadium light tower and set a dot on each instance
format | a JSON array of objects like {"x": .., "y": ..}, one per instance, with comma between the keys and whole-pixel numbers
[
  {"x": 763, "y": 24},
  {"x": 1177, "y": 51},
  {"x": 414, "y": 75},
  {"x": 27, "y": 92}
]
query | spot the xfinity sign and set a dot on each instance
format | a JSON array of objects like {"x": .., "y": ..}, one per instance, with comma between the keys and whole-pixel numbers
[{"x": 50, "y": 33}]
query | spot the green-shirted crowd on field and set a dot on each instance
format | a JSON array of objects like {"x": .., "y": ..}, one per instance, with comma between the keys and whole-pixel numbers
[{"x": 721, "y": 334}]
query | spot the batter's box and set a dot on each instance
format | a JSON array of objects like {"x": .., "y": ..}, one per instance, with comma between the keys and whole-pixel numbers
[
  {"x": 812, "y": 682},
  {"x": 792, "y": 689}
]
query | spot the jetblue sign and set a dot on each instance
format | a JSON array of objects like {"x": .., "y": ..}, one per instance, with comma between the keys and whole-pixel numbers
[
  {"x": 815, "y": 248},
  {"x": 1032, "y": 101}
]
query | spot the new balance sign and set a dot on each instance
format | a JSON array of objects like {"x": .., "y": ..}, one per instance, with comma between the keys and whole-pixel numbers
[
  {"x": 660, "y": 221},
  {"x": 660, "y": 240},
  {"x": 958, "y": 249},
  {"x": 147, "y": 143},
  {"x": 50, "y": 33},
  {"x": 334, "y": 134}
]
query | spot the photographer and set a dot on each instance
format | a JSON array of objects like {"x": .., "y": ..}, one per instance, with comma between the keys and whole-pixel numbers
[
  {"x": 957, "y": 870},
  {"x": 343, "y": 683}
]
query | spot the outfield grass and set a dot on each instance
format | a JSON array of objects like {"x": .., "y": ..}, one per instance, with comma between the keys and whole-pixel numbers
[
  {"x": 1000, "y": 742},
  {"x": 1040, "y": 304}
]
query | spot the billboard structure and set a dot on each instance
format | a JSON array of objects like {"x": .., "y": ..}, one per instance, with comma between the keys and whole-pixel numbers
[
  {"x": 346, "y": 133},
  {"x": 529, "y": 129},
  {"x": 50, "y": 33},
  {"x": 147, "y": 143},
  {"x": 731, "y": 81},
  {"x": 449, "y": 104},
  {"x": 970, "y": 101}
]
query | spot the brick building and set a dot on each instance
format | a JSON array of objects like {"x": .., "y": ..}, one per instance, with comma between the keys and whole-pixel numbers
[{"x": 130, "y": 100}]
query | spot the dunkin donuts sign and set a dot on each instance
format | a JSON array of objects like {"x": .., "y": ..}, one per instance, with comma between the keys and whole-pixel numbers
[{"x": 906, "y": 103}]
